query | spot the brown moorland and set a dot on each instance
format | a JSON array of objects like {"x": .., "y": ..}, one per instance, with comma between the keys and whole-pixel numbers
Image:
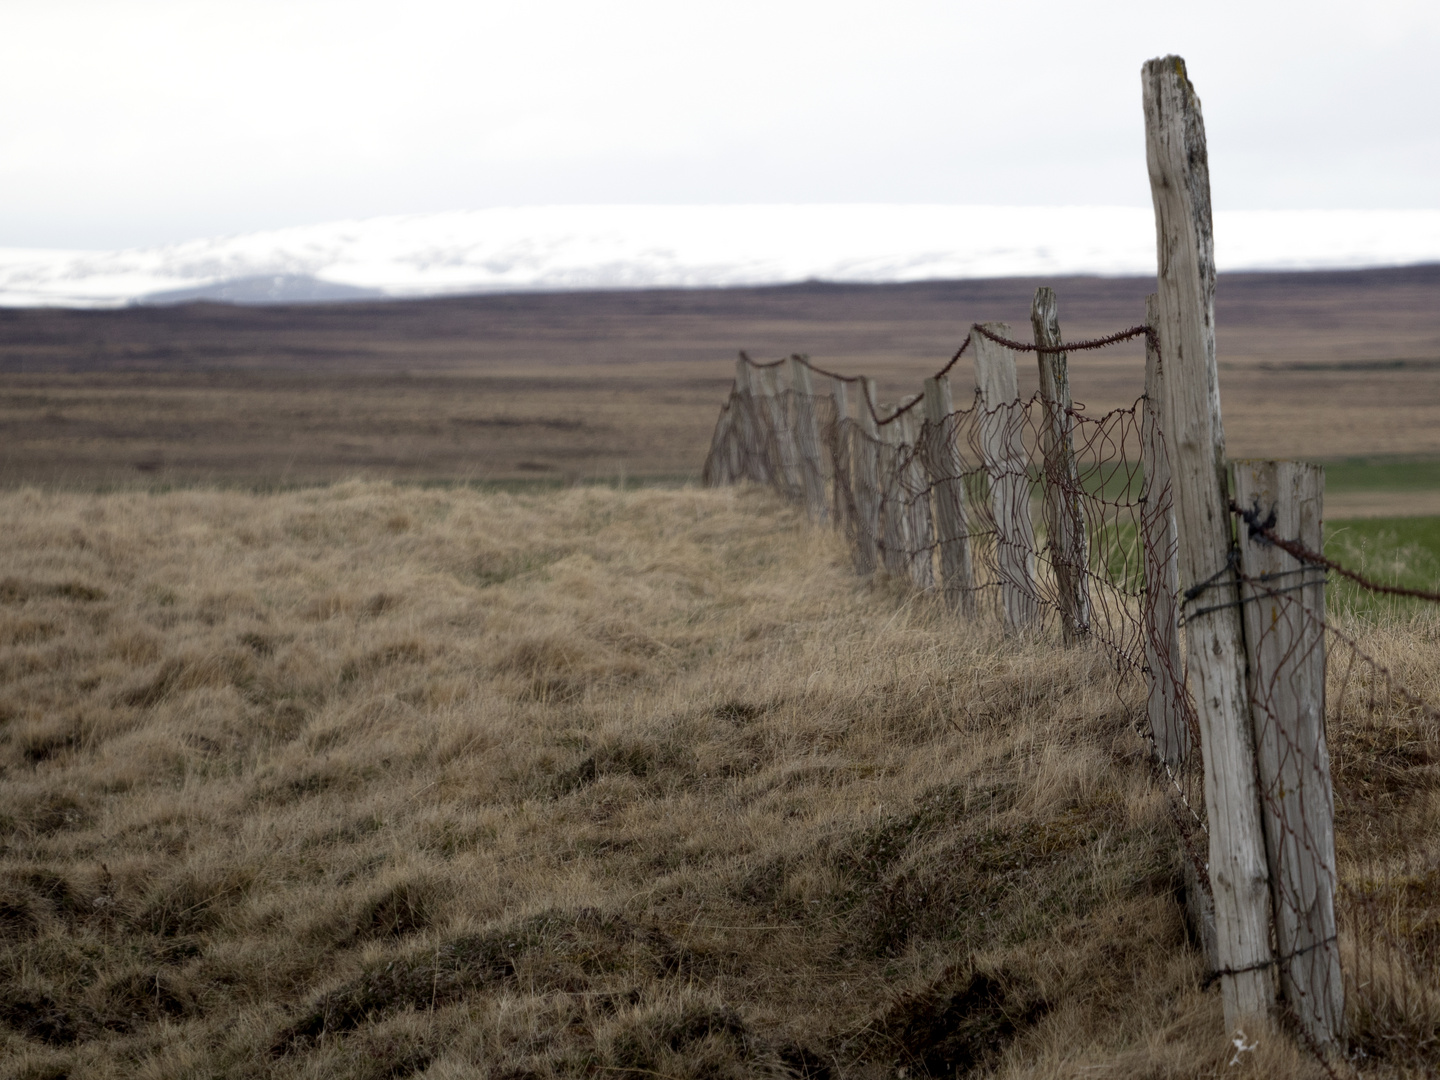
[
  {"x": 599, "y": 385},
  {"x": 376, "y": 781}
]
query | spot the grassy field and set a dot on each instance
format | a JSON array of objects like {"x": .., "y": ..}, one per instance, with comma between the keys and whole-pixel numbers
[{"x": 377, "y": 781}]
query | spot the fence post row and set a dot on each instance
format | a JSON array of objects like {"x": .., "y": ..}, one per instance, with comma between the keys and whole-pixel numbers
[
  {"x": 1003, "y": 453},
  {"x": 916, "y": 491},
  {"x": 1166, "y": 706},
  {"x": 1284, "y": 614},
  {"x": 1065, "y": 522},
  {"x": 1180, "y": 188},
  {"x": 941, "y": 458},
  {"x": 807, "y": 440}
]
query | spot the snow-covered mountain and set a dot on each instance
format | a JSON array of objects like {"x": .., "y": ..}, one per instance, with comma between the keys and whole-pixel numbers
[{"x": 612, "y": 247}]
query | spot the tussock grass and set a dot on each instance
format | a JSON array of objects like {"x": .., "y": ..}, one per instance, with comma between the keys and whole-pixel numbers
[{"x": 371, "y": 781}]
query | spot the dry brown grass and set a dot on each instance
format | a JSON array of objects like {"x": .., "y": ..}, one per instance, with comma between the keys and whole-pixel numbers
[{"x": 370, "y": 781}]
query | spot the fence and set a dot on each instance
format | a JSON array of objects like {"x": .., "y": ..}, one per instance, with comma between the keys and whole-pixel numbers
[
  {"x": 1044, "y": 520},
  {"x": 1304, "y": 775}
]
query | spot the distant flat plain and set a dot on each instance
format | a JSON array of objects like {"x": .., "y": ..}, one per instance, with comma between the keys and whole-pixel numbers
[{"x": 1334, "y": 366}]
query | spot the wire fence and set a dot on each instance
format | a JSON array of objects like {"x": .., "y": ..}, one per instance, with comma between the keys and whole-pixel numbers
[{"x": 1032, "y": 515}]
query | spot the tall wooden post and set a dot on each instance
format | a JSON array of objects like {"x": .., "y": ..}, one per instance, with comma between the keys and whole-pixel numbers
[
  {"x": 1167, "y": 707},
  {"x": 1069, "y": 545},
  {"x": 841, "y": 478},
  {"x": 916, "y": 488},
  {"x": 807, "y": 439},
  {"x": 1180, "y": 187},
  {"x": 865, "y": 457},
  {"x": 1284, "y": 615},
  {"x": 942, "y": 461},
  {"x": 1003, "y": 451}
]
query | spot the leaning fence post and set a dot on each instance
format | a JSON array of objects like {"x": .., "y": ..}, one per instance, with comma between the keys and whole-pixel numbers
[
  {"x": 807, "y": 439},
  {"x": 917, "y": 503},
  {"x": 952, "y": 521},
  {"x": 1001, "y": 419},
  {"x": 1069, "y": 546},
  {"x": 865, "y": 450},
  {"x": 1284, "y": 611},
  {"x": 1180, "y": 188},
  {"x": 1167, "y": 707}
]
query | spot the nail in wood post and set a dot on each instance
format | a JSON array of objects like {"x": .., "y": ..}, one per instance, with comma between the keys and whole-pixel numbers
[
  {"x": 1284, "y": 614},
  {"x": 1002, "y": 417},
  {"x": 942, "y": 461},
  {"x": 807, "y": 440},
  {"x": 894, "y": 521},
  {"x": 865, "y": 450},
  {"x": 842, "y": 507},
  {"x": 917, "y": 503},
  {"x": 1180, "y": 188},
  {"x": 784, "y": 466},
  {"x": 1065, "y": 521},
  {"x": 755, "y": 458},
  {"x": 1168, "y": 707}
]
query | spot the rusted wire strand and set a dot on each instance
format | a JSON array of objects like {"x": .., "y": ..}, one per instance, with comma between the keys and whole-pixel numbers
[{"x": 1265, "y": 530}]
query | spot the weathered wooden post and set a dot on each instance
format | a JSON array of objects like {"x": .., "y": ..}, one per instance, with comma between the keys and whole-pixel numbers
[
  {"x": 1167, "y": 708},
  {"x": 715, "y": 472},
  {"x": 941, "y": 458},
  {"x": 784, "y": 468},
  {"x": 865, "y": 458},
  {"x": 1069, "y": 544},
  {"x": 755, "y": 457},
  {"x": 841, "y": 481},
  {"x": 917, "y": 502},
  {"x": 894, "y": 521},
  {"x": 807, "y": 440},
  {"x": 1284, "y": 614},
  {"x": 1180, "y": 188},
  {"x": 1003, "y": 452}
]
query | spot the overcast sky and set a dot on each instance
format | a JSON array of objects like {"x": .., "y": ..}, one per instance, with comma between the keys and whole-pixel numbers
[{"x": 130, "y": 122}]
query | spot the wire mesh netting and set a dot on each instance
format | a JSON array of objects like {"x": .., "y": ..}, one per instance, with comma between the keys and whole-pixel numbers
[{"x": 1044, "y": 520}]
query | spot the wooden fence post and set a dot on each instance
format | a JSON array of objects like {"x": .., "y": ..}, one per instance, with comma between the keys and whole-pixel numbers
[
  {"x": 841, "y": 479},
  {"x": 1069, "y": 545},
  {"x": 807, "y": 439},
  {"x": 1003, "y": 452},
  {"x": 1169, "y": 725},
  {"x": 715, "y": 472},
  {"x": 894, "y": 522},
  {"x": 755, "y": 458},
  {"x": 916, "y": 487},
  {"x": 865, "y": 456},
  {"x": 942, "y": 461},
  {"x": 1284, "y": 613},
  {"x": 784, "y": 469},
  {"x": 1180, "y": 188}
]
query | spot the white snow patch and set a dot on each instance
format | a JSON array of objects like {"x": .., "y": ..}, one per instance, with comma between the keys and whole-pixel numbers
[{"x": 616, "y": 247}]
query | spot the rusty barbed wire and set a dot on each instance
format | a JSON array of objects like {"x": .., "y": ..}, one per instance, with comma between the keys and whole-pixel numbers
[{"x": 948, "y": 504}]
